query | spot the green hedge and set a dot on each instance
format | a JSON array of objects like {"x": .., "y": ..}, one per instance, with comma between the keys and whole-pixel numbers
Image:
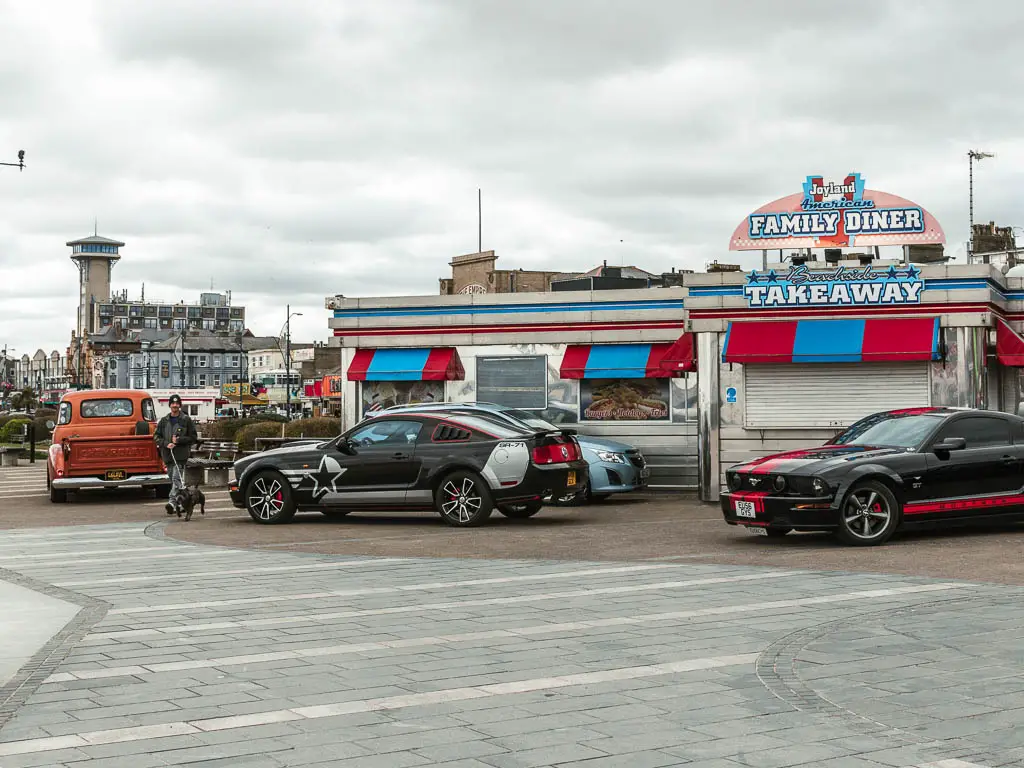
[
  {"x": 12, "y": 428},
  {"x": 227, "y": 429},
  {"x": 246, "y": 436},
  {"x": 322, "y": 427}
]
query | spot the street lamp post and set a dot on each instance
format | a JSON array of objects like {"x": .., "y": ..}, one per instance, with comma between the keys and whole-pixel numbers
[
  {"x": 973, "y": 155},
  {"x": 288, "y": 360},
  {"x": 20, "y": 165}
]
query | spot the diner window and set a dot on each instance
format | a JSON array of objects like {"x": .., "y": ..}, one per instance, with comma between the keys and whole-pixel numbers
[
  {"x": 377, "y": 395},
  {"x": 516, "y": 382},
  {"x": 625, "y": 400}
]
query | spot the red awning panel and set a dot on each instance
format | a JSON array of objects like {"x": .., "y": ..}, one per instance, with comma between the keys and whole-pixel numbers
[
  {"x": 1009, "y": 346},
  {"x": 681, "y": 357}
]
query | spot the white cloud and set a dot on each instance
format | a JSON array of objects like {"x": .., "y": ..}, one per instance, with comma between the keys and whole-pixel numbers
[{"x": 288, "y": 151}]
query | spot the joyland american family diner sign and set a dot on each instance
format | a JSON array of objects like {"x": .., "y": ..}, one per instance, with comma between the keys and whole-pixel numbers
[{"x": 836, "y": 214}]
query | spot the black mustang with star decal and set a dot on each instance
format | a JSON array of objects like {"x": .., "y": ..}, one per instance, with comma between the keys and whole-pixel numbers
[
  {"x": 462, "y": 466},
  {"x": 916, "y": 466}
]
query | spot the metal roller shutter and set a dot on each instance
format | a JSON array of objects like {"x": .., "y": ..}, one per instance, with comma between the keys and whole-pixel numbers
[{"x": 824, "y": 395}]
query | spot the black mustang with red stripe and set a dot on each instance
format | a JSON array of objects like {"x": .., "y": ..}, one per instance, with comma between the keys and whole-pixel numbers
[
  {"x": 890, "y": 470},
  {"x": 463, "y": 466}
]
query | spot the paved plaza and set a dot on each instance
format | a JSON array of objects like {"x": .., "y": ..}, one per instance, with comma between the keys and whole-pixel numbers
[{"x": 144, "y": 650}]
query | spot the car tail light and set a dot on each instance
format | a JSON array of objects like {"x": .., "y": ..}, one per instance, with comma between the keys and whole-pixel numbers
[{"x": 556, "y": 453}]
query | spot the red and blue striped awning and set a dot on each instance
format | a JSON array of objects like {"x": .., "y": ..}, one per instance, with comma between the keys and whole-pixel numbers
[
  {"x": 833, "y": 341},
  {"x": 628, "y": 361},
  {"x": 437, "y": 364}
]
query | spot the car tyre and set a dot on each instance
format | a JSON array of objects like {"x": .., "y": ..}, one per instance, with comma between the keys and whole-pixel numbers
[
  {"x": 463, "y": 499},
  {"x": 521, "y": 511},
  {"x": 268, "y": 498},
  {"x": 869, "y": 515},
  {"x": 57, "y": 495}
]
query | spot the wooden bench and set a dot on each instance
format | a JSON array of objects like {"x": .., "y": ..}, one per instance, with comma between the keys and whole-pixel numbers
[{"x": 212, "y": 464}]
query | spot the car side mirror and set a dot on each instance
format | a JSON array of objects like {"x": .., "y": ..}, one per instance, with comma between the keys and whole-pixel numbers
[
  {"x": 347, "y": 446},
  {"x": 950, "y": 444},
  {"x": 50, "y": 425}
]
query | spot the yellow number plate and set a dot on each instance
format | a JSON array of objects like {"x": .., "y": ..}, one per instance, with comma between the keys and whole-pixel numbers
[
  {"x": 115, "y": 474},
  {"x": 571, "y": 479}
]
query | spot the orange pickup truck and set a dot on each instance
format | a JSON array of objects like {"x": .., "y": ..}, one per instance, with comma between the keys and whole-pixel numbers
[{"x": 104, "y": 439}]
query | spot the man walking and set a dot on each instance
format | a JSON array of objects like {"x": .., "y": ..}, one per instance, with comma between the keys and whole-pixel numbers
[{"x": 175, "y": 435}]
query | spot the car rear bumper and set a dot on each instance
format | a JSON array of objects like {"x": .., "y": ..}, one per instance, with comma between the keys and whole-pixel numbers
[
  {"x": 85, "y": 483},
  {"x": 541, "y": 481},
  {"x": 796, "y": 512}
]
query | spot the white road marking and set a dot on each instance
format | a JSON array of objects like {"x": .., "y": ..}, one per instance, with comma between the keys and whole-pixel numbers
[
  {"x": 189, "y": 552},
  {"x": 37, "y": 556},
  {"x": 390, "y": 590},
  {"x": 311, "y": 566},
  {"x": 317, "y": 651},
  {"x": 310, "y": 617},
  {"x": 142, "y": 733},
  {"x": 135, "y": 531}
]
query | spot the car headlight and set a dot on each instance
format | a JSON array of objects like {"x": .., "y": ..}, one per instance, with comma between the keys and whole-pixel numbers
[
  {"x": 819, "y": 486},
  {"x": 614, "y": 458},
  {"x": 734, "y": 481}
]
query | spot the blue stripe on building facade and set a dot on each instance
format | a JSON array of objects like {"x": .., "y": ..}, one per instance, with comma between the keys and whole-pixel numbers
[{"x": 510, "y": 309}]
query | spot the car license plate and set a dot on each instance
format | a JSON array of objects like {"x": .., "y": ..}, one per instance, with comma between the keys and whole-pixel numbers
[
  {"x": 115, "y": 474},
  {"x": 645, "y": 473},
  {"x": 757, "y": 530},
  {"x": 745, "y": 509},
  {"x": 570, "y": 479}
]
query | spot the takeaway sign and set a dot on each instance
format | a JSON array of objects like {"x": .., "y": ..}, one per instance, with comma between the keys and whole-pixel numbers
[
  {"x": 836, "y": 214},
  {"x": 834, "y": 287}
]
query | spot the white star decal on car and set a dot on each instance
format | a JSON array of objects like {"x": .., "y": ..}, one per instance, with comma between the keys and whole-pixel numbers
[{"x": 326, "y": 477}]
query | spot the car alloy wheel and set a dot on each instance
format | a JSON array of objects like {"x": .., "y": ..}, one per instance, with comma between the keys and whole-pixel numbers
[
  {"x": 268, "y": 497},
  {"x": 869, "y": 515},
  {"x": 463, "y": 499}
]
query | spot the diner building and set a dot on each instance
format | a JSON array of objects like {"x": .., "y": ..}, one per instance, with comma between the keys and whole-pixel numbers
[{"x": 726, "y": 366}]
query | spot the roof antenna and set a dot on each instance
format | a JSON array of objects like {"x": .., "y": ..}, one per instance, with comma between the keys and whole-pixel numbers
[{"x": 95, "y": 226}]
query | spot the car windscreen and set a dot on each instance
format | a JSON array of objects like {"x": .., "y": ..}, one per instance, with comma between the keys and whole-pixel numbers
[
  {"x": 528, "y": 418},
  {"x": 493, "y": 427},
  {"x": 897, "y": 430}
]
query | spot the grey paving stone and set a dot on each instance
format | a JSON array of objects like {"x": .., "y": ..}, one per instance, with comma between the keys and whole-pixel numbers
[
  {"x": 544, "y": 756},
  {"x": 645, "y": 759}
]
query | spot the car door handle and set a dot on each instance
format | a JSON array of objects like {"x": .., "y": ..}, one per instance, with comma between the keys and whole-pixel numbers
[
  {"x": 1010, "y": 460},
  {"x": 400, "y": 455}
]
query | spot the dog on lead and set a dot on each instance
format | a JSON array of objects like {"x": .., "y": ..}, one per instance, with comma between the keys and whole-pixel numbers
[{"x": 188, "y": 498}]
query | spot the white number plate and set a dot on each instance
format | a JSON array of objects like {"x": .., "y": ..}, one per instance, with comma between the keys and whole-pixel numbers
[
  {"x": 745, "y": 509},
  {"x": 757, "y": 530},
  {"x": 645, "y": 473}
]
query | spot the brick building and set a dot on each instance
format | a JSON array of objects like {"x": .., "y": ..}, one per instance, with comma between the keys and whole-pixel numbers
[{"x": 476, "y": 273}]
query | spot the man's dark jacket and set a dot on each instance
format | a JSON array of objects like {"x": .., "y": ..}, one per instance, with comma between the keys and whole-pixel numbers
[{"x": 186, "y": 434}]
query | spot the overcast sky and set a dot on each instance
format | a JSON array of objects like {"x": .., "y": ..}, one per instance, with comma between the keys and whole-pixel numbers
[{"x": 287, "y": 150}]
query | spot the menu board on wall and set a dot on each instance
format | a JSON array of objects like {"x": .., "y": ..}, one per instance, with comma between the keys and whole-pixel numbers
[
  {"x": 516, "y": 382},
  {"x": 625, "y": 400}
]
